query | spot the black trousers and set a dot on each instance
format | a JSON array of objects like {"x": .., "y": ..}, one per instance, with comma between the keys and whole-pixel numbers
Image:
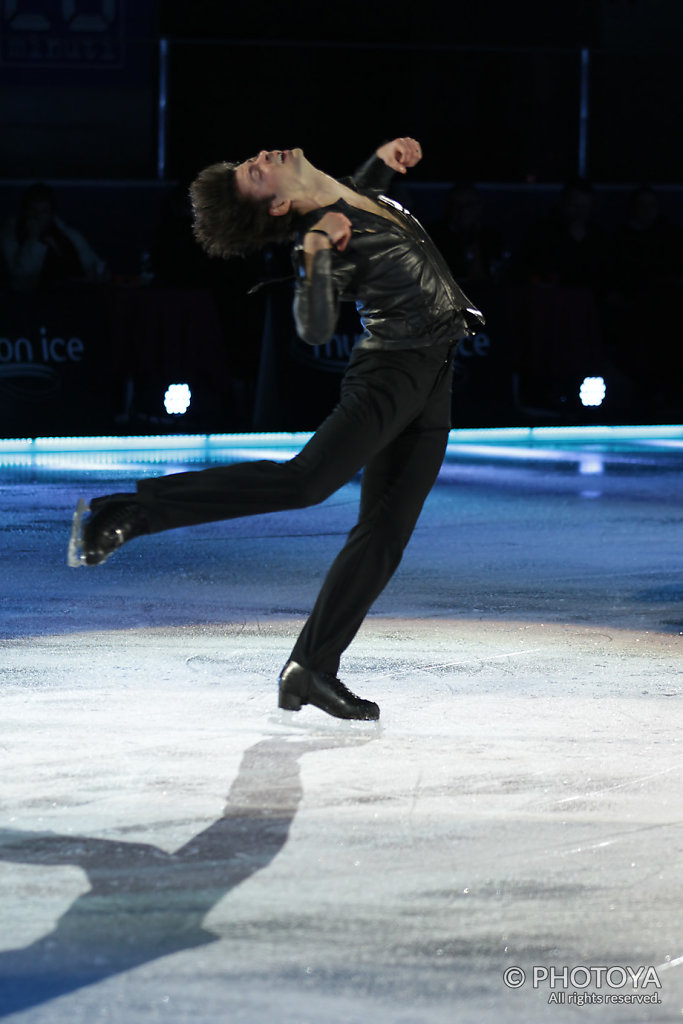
[{"x": 392, "y": 420}]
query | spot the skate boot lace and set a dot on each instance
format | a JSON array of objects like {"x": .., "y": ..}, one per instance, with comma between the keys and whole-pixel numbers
[{"x": 346, "y": 692}]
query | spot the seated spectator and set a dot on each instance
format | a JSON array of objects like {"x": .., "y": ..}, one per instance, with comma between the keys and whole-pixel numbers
[
  {"x": 41, "y": 251},
  {"x": 648, "y": 248},
  {"x": 565, "y": 248},
  {"x": 473, "y": 249}
]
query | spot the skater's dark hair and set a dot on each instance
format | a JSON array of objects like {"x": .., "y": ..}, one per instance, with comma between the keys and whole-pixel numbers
[{"x": 226, "y": 223}]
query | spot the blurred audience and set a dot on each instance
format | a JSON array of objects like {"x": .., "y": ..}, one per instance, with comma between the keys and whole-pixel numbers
[
  {"x": 566, "y": 247},
  {"x": 643, "y": 312},
  {"x": 40, "y": 251},
  {"x": 473, "y": 249},
  {"x": 648, "y": 248},
  {"x": 553, "y": 310}
]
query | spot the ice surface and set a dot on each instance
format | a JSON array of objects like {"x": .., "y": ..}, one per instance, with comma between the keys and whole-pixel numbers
[{"x": 173, "y": 848}]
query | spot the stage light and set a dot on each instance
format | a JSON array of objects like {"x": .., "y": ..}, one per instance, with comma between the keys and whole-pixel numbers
[
  {"x": 592, "y": 391},
  {"x": 177, "y": 399}
]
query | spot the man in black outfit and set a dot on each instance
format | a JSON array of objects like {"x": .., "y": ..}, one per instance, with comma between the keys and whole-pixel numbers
[{"x": 393, "y": 416}]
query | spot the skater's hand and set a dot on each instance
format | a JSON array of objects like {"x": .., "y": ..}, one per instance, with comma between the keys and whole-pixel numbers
[
  {"x": 400, "y": 154},
  {"x": 337, "y": 228}
]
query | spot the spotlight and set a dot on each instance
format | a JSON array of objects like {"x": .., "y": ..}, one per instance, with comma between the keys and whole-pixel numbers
[
  {"x": 592, "y": 391},
  {"x": 177, "y": 399}
]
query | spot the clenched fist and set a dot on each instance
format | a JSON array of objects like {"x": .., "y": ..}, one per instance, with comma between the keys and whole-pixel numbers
[{"x": 400, "y": 154}]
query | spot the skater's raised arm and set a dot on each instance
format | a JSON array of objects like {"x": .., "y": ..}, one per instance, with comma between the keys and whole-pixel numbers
[{"x": 391, "y": 157}]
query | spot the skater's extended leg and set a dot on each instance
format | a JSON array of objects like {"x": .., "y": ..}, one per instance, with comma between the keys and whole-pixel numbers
[{"x": 372, "y": 410}]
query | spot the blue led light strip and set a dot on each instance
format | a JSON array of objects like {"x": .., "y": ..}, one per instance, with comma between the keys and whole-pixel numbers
[{"x": 198, "y": 443}]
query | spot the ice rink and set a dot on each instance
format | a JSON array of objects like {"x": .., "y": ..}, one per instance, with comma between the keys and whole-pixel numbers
[{"x": 503, "y": 847}]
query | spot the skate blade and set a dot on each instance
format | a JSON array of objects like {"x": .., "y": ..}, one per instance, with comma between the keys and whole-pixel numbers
[
  {"x": 324, "y": 725},
  {"x": 74, "y": 555}
]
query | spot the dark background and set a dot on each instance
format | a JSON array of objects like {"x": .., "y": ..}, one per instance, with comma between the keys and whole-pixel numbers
[{"x": 491, "y": 88}]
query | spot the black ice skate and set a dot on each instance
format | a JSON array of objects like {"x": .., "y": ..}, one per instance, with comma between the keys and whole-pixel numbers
[
  {"x": 109, "y": 526},
  {"x": 300, "y": 685}
]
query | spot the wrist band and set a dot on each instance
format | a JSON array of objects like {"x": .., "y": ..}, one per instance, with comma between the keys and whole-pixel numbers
[{"x": 319, "y": 231}]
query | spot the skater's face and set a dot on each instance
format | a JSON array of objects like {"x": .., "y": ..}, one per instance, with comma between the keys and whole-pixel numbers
[{"x": 274, "y": 174}]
